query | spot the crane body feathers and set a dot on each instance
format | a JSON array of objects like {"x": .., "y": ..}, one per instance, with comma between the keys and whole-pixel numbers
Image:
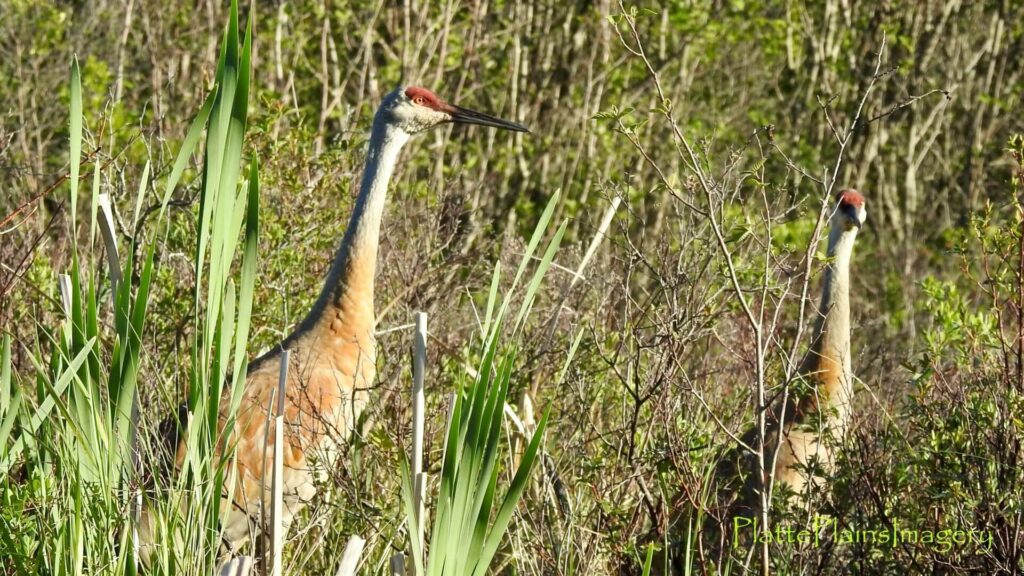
[
  {"x": 332, "y": 350},
  {"x": 813, "y": 423}
]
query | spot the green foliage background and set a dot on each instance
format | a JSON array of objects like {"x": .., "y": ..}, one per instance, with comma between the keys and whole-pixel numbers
[{"x": 754, "y": 84}]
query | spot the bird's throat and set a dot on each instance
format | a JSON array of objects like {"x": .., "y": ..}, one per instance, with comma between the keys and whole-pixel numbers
[
  {"x": 344, "y": 313},
  {"x": 829, "y": 361}
]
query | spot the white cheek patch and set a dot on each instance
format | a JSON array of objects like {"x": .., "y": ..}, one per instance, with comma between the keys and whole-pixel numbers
[{"x": 424, "y": 119}]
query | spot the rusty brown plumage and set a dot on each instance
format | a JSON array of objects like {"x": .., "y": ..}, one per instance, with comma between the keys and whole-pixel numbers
[
  {"x": 332, "y": 351},
  {"x": 801, "y": 432}
]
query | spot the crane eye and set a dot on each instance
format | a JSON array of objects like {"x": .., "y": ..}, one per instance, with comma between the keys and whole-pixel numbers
[{"x": 419, "y": 100}]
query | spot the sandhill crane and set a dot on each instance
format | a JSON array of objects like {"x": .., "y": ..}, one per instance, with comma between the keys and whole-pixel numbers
[
  {"x": 333, "y": 356},
  {"x": 803, "y": 455}
]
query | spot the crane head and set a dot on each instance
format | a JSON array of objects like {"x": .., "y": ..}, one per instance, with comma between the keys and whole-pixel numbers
[
  {"x": 851, "y": 209},
  {"x": 415, "y": 109}
]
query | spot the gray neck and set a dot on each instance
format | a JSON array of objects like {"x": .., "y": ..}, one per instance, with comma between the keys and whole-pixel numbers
[
  {"x": 830, "y": 359},
  {"x": 832, "y": 332},
  {"x": 348, "y": 291}
]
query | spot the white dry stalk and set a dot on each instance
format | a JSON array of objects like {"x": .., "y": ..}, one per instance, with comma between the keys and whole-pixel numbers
[
  {"x": 602, "y": 232},
  {"x": 350, "y": 558},
  {"x": 264, "y": 517},
  {"x": 516, "y": 421},
  {"x": 419, "y": 496},
  {"x": 393, "y": 329}
]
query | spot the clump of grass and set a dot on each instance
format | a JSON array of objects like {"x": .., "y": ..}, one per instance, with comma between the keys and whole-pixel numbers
[
  {"x": 468, "y": 529},
  {"x": 70, "y": 452},
  {"x": 188, "y": 508}
]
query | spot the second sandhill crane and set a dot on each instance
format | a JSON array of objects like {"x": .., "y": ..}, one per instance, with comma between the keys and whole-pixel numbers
[
  {"x": 333, "y": 351},
  {"x": 813, "y": 424}
]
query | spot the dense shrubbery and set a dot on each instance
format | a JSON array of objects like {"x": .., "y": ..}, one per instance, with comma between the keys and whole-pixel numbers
[{"x": 764, "y": 94}]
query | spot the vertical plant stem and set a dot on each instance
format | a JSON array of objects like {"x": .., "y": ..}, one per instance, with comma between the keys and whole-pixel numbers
[
  {"x": 277, "y": 527},
  {"x": 419, "y": 363}
]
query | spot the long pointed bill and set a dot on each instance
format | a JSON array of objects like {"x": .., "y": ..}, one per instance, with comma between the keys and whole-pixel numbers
[{"x": 462, "y": 115}]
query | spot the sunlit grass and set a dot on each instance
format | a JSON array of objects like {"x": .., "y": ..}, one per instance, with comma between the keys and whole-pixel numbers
[
  {"x": 71, "y": 455},
  {"x": 470, "y": 519}
]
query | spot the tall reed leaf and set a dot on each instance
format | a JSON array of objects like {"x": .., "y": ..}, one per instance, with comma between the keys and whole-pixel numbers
[
  {"x": 72, "y": 440},
  {"x": 223, "y": 305},
  {"x": 470, "y": 519}
]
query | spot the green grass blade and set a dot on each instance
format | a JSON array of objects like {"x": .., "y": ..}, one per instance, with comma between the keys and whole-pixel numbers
[
  {"x": 569, "y": 357},
  {"x": 248, "y": 285},
  {"x": 50, "y": 399},
  {"x": 411, "y": 513},
  {"x": 188, "y": 145},
  {"x": 94, "y": 201},
  {"x": 538, "y": 235},
  {"x": 511, "y": 500},
  {"x": 649, "y": 560},
  {"x": 538, "y": 276},
  {"x": 75, "y": 138},
  {"x": 5, "y": 373},
  {"x": 10, "y": 402},
  {"x": 492, "y": 299}
]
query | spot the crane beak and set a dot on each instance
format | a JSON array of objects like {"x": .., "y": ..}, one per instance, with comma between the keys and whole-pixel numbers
[{"x": 462, "y": 115}]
